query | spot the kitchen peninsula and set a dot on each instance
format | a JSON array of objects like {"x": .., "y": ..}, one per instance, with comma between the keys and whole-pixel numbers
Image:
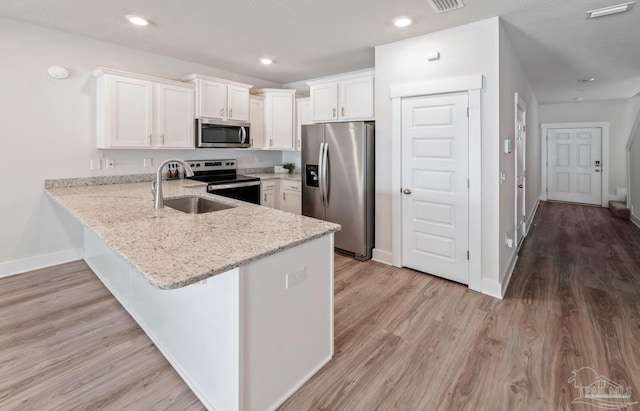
[{"x": 240, "y": 301}]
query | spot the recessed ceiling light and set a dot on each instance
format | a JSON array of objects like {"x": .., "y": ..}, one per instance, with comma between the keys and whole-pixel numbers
[
  {"x": 606, "y": 11},
  {"x": 266, "y": 61},
  {"x": 579, "y": 99},
  {"x": 137, "y": 20},
  {"x": 586, "y": 80},
  {"x": 402, "y": 21}
]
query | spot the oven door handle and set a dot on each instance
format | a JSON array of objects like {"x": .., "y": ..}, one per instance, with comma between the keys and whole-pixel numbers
[{"x": 216, "y": 187}]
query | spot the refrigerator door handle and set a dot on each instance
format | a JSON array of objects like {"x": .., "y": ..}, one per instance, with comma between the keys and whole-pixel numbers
[
  {"x": 325, "y": 175},
  {"x": 320, "y": 172}
]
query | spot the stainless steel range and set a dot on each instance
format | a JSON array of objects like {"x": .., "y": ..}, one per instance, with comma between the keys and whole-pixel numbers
[{"x": 222, "y": 179}]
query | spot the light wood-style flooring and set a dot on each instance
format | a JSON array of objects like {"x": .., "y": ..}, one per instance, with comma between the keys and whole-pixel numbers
[{"x": 403, "y": 340}]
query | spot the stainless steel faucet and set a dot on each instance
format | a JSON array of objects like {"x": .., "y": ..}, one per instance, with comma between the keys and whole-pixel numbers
[{"x": 156, "y": 187}]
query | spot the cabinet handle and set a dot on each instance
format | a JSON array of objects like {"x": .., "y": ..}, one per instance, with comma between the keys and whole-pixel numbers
[
  {"x": 222, "y": 112},
  {"x": 265, "y": 197},
  {"x": 162, "y": 139},
  {"x": 271, "y": 143},
  {"x": 149, "y": 138},
  {"x": 299, "y": 143},
  {"x": 334, "y": 112},
  {"x": 230, "y": 112},
  {"x": 284, "y": 196},
  {"x": 342, "y": 111}
]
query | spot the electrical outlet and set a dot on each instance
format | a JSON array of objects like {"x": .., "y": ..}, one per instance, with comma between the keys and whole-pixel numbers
[
  {"x": 110, "y": 163},
  {"x": 148, "y": 162},
  {"x": 96, "y": 164},
  {"x": 295, "y": 278}
]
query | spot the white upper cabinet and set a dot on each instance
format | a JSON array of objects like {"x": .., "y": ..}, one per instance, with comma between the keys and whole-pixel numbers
[
  {"x": 279, "y": 106},
  {"x": 345, "y": 97},
  {"x": 256, "y": 118},
  {"x": 303, "y": 116},
  {"x": 221, "y": 99},
  {"x": 175, "y": 116},
  {"x": 325, "y": 102},
  {"x": 137, "y": 111},
  {"x": 238, "y": 103}
]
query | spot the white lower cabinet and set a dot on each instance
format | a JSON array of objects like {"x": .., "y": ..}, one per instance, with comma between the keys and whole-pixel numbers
[
  {"x": 269, "y": 193},
  {"x": 291, "y": 198},
  {"x": 242, "y": 340},
  {"x": 285, "y": 195}
]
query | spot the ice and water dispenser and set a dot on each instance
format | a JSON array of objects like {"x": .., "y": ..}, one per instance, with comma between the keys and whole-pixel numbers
[{"x": 311, "y": 175}]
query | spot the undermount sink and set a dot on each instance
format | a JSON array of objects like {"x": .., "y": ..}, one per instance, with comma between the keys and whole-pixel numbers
[{"x": 195, "y": 205}]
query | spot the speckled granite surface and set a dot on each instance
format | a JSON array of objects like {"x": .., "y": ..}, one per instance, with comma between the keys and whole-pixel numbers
[
  {"x": 281, "y": 176},
  {"x": 173, "y": 249}
]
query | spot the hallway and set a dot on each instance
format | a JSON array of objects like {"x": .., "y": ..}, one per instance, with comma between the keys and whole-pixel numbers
[{"x": 409, "y": 341}]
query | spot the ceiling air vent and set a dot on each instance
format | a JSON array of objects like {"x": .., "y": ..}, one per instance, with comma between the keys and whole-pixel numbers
[{"x": 441, "y": 6}]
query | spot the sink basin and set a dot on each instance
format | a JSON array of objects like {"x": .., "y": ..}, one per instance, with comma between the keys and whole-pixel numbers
[{"x": 195, "y": 205}]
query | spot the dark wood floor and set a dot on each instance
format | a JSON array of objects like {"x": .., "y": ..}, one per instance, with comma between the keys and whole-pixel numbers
[
  {"x": 403, "y": 340},
  {"x": 409, "y": 341}
]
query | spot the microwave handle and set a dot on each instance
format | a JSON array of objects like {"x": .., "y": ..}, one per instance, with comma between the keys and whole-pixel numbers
[{"x": 242, "y": 133}]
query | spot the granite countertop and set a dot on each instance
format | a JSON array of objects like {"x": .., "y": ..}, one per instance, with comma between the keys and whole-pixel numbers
[
  {"x": 173, "y": 249},
  {"x": 279, "y": 176}
]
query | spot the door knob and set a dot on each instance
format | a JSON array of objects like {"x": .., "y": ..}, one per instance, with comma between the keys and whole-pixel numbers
[
  {"x": 597, "y": 170},
  {"x": 406, "y": 191}
]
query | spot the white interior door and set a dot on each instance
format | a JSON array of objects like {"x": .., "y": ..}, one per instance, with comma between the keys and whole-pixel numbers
[
  {"x": 435, "y": 172},
  {"x": 521, "y": 224},
  {"x": 574, "y": 165}
]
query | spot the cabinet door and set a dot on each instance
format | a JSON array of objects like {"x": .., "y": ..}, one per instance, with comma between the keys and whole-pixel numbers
[
  {"x": 269, "y": 199},
  {"x": 212, "y": 99},
  {"x": 279, "y": 120},
  {"x": 303, "y": 116},
  {"x": 324, "y": 99},
  {"x": 237, "y": 103},
  {"x": 175, "y": 116},
  {"x": 256, "y": 118},
  {"x": 291, "y": 201},
  {"x": 269, "y": 191},
  {"x": 356, "y": 99},
  {"x": 130, "y": 122}
]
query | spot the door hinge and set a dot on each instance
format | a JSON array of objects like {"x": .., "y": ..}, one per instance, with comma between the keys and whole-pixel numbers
[
  {"x": 467, "y": 111},
  {"x": 468, "y": 183},
  {"x": 524, "y": 129},
  {"x": 467, "y": 254}
]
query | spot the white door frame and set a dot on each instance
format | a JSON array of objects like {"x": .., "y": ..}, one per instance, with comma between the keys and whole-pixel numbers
[
  {"x": 473, "y": 86},
  {"x": 604, "y": 125},
  {"x": 520, "y": 105}
]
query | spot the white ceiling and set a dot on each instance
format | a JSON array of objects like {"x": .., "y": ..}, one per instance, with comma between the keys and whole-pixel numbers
[{"x": 314, "y": 38}]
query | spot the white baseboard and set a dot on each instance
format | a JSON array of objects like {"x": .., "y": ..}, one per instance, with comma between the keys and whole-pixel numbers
[
  {"x": 635, "y": 220},
  {"x": 380, "y": 256},
  {"x": 490, "y": 288},
  {"x": 614, "y": 197},
  {"x": 532, "y": 215},
  {"x": 40, "y": 261}
]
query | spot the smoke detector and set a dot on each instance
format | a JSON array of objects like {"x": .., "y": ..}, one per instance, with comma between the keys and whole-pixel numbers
[{"x": 442, "y": 6}]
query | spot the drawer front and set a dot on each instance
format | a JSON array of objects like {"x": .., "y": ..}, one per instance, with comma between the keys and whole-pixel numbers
[
  {"x": 291, "y": 185},
  {"x": 269, "y": 184}
]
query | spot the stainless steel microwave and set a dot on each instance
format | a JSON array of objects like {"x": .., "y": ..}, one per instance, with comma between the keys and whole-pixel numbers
[{"x": 222, "y": 133}]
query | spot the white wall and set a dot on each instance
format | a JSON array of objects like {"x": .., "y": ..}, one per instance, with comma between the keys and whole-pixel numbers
[
  {"x": 598, "y": 111},
  {"x": 632, "y": 123},
  {"x": 466, "y": 50},
  {"x": 47, "y": 130},
  {"x": 513, "y": 80}
]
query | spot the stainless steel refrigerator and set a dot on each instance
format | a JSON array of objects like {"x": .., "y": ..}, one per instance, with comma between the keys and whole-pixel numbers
[{"x": 338, "y": 181}]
